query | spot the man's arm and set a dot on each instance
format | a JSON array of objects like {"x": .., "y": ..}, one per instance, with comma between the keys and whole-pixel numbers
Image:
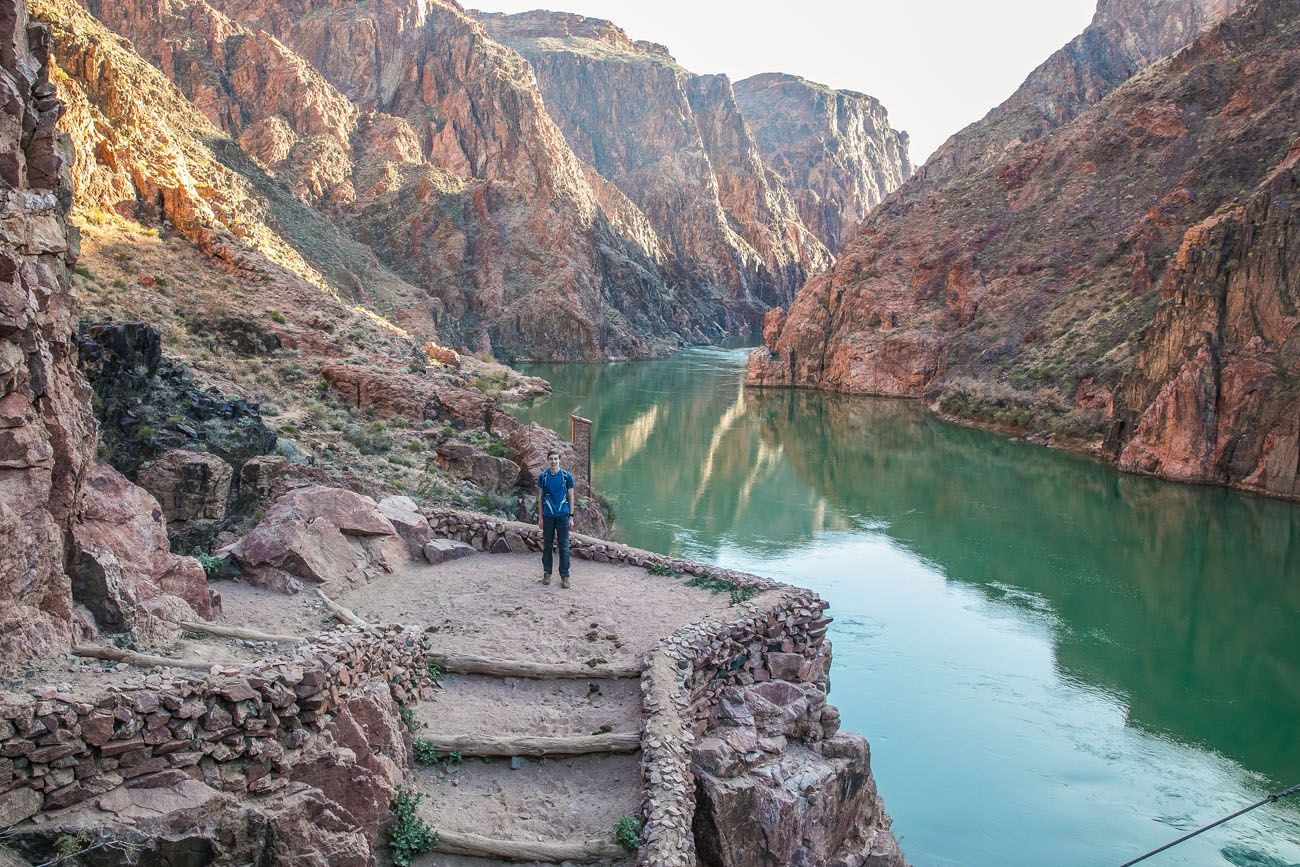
[
  {"x": 540, "y": 494},
  {"x": 572, "y": 506}
]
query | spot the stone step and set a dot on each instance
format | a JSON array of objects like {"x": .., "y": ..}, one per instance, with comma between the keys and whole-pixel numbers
[
  {"x": 534, "y": 745},
  {"x": 559, "y": 808},
  {"x": 472, "y": 705}
]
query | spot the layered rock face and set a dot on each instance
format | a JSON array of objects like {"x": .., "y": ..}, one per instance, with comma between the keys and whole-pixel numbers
[
  {"x": 1014, "y": 294},
  {"x": 677, "y": 145},
  {"x": 47, "y": 433},
  {"x": 403, "y": 133},
  {"x": 84, "y": 549},
  {"x": 1212, "y": 397},
  {"x": 835, "y": 149}
]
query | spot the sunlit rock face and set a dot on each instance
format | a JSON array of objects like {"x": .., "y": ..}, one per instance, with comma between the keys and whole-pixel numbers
[
  {"x": 1042, "y": 288},
  {"x": 678, "y": 146},
  {"x": 835, "y": 149}
]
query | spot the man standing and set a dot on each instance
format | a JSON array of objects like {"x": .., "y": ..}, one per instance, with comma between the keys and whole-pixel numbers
[{"x": 555, "y": 515}]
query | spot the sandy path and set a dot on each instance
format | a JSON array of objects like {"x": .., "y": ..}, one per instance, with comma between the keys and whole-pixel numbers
[
  {"x": 547, "y": 799},
  {"x": 494, "y": 605}
]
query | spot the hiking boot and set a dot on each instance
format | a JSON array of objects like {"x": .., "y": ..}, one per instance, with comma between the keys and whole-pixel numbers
[
  {"x": 564, "y": 582},
  {"x": 546, "y": 577}
]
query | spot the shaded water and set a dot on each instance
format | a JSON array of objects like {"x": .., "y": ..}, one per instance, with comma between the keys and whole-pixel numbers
[{"x": 1056, "y": 664}]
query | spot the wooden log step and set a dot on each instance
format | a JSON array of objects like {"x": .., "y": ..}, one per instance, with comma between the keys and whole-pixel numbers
[
  {"x": 553, "y": 852},
  {"x": 528, "y": 745},
  {"x": 238, "y": 632},
  {"x": 470, "y": 664},
  {"x": 144, "y": 660}
]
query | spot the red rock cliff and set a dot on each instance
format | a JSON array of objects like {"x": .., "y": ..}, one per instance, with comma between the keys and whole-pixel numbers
[
  {"x": 81, "y": 548},
  {"x": 1014, "y": 294},
  {"x": 677, "y": 145},
  {"x": 834, "y": 149}
]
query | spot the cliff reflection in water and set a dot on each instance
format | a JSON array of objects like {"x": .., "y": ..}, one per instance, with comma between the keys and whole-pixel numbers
[{"x": 1182, "y": 600}]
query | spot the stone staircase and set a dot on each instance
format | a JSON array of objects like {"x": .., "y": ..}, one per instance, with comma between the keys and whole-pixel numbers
[{"x": 530, "y": 770}]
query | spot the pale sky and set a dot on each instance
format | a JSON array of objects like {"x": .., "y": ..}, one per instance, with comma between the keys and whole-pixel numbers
[{"x": 936, "y": 65}]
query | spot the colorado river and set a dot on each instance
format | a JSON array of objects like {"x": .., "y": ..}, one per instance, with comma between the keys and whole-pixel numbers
[{"x": 1056, "y": 663}]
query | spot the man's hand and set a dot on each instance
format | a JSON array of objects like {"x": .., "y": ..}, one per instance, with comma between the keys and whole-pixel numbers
[{"x": 570, "y": 522}]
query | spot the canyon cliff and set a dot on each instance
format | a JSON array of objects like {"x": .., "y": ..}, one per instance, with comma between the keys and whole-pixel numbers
[
  {"x": 83, "y": 548},
  {"x": 835, "y": 149},
  {"x": 678, "y": 146},
  {"x": 1037, "y": 284}
]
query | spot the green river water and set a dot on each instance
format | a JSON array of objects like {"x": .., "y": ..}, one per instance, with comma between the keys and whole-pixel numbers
[{"x": 1055, "y": 663}]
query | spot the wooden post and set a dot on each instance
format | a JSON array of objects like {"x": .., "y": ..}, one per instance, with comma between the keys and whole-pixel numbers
[{"x": 580, "y": 439}]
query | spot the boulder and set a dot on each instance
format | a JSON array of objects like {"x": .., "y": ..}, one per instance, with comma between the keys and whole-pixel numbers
[
  {"x": 320, "y": 535},
  {"x": 488, "y": 472},
  {"x": 188, "y": 485},
  {"x": 796, "y": 808},
  {"x": 442, "y": 550},
  {"x": 260, "y": 475},
  {"x": 120, "y": 556},
  {"x": 404, "y": 515}
]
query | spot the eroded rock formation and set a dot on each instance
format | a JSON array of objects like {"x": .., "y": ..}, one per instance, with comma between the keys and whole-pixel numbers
[
  {"x": 1014, "y": 293},
  {"x": 1212, "y": 396},
  {"x": 835, "y": 149},
  {"x": 83, "y": 548},
  {"x": 676, "y": 144}
]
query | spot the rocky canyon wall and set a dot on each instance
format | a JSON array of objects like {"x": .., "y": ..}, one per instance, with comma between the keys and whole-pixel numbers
[
  {"x": 676, "y": 144},
  {"x": 84, "y": 549},
  {"x": 47, "y": 433},
  {"x": 1014, "y": 293},
  {"x": 835, "y": 149}
]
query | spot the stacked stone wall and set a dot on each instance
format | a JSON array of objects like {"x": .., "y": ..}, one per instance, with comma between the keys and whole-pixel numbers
[
  {"x": 780, "y": 634},
  {"x": 235, "y": 728}
]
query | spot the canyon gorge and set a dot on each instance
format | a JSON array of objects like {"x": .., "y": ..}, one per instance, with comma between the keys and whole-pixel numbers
[{"x": 267, "y": 270}]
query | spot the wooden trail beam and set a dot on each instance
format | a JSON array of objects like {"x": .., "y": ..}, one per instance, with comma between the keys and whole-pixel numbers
[
  {"x": 457, "y": 843},
  {"x": 343, "y": 614},
  {"x": 144, "y": 660},
  {"x": 470, "y": 664},
  {"x": 237, "y": 632},
  {"x": 528, "y": 745}
]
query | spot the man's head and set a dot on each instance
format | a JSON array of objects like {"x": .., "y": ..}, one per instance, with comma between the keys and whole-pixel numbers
[{"x": 553, "y": 459}]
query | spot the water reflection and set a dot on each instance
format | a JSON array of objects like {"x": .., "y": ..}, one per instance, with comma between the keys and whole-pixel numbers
[{"x": 1166, "y": 608}]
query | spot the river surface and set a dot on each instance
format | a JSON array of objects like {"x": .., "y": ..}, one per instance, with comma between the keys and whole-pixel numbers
[{"x": 1056, "y": 664}]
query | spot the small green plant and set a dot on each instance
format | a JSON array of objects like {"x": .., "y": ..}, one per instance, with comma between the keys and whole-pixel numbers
[
  {"x": 455, "y": 758},
  {"x": 627, "y": 833},
  {"x": 82, "y": 271},
  {"x": 435, "y": 671},
  {"x": 211, "y": 565},
  {"x": 70, "y": 844},
  {"x": 145, "y": 433},
  {"x": 717, "y": 585},
  {"x": 426, "y": 753},
  {"x": 410, "y": 835},
  {"x": 660, "y": 569},
  {"x": 276, "y": 316},
  {"x": 408, "y": 719}
]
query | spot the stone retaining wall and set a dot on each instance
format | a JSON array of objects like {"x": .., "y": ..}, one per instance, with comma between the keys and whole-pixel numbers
[
  {"x": 498, "y": 535},
  {"x": 233, "y": 728},
  {"x": 780, "y": 634}
]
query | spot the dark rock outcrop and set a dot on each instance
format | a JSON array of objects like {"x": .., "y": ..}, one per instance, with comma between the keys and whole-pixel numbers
[
  {"x": 148, "y": 404},
  {"x": 835, "y": 149}
]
